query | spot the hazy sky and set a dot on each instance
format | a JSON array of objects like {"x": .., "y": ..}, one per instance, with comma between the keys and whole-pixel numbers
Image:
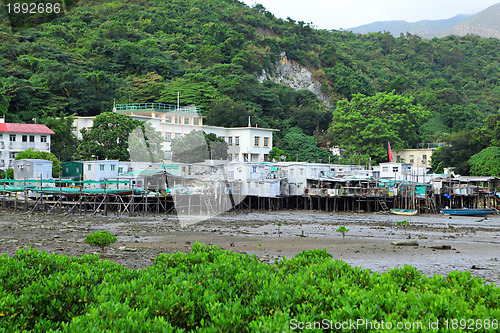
[{"x": 337, "y": 14}]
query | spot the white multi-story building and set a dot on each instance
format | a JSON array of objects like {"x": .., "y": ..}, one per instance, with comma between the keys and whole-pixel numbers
[
  {"x": 245, "y": 144},
  {"x": 15, "y": 138}
]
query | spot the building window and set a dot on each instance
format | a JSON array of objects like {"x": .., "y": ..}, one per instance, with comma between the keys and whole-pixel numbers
[
  {"x": 266, "y": 157},
  {"x": 120, "y": 170},
  {"x": 101, "y": 167},
  {"x": 89, "y": 167},
  {"x": 256, "y": 141},
  {"x": 245, "y": 157},
  {"x": 424, "y": 159},
  {"x": 385, "y": 169},
  {"x": 168, "y": 119},
  {"x": 32, "y": 138},
  {"x": 254, "y": 169},
  {"x": 177, "y": 119},
  {"x": 229, "y": 157},
  {"x": 236, "y": 140},
  {"x": 411, "y": 159},
  {"x": 43, "y": 138},
  {"x": 196, "y": 121},
  {"x": 395, "y": 169},
  {"x": 266, "y": 142},
  {"x": 168, "y": 136},
  {"x": 112, "y": 167},
  {"x": 77, "y": 169},
  {"x": 186, "y": 121},
  {"x": 12, "y": 138},
  {"x": 229, "y": 140},
  {"x": 25, "y": 138},
  {"x": 178, "y": 136}
]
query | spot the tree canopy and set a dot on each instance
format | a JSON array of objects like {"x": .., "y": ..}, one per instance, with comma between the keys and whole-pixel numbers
[
  {"x": 145, "y": 144},
  {"x": 366, "y": 123},
  {"x": 192, "y": 148},
  {"x": 486, "y": 162},
  {"x": 108, "y": 138},
  {"x": 297, "y": 146},
  {"x": 461, "y": 146},
  {"x": 63, "y": 142}
]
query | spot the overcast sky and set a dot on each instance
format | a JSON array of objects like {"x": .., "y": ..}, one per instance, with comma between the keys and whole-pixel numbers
[{"x": 343, "y": 14}]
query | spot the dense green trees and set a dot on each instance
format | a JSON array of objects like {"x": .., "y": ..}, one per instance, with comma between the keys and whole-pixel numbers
[
  {"x": 196, "y": 146},
  {"x": 4, "y": 102},
  {"x": 63, "y": 143},
  {"x": 217, "y": 147},
  {"x": 145, "y": 144},
  {"x": 366, "y": 123},
  {"x": 192, "y": 148},
  {"x": 210, "y": 50},
  {"x": 486, "y": 162},
  {"x": 461, "y": 146},
  {"x": 298, "y": 146},
  {"x": 108, "y": 138}
]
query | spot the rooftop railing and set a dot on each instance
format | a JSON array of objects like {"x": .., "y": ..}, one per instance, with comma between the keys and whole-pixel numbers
[{"x": 157, "y": 107}]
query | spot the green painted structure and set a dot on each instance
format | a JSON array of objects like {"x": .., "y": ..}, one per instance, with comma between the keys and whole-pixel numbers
[{"x": 72, "y": 170}]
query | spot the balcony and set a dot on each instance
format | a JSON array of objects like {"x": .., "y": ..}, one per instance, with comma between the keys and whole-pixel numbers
[{"x": 19, "y": 146}]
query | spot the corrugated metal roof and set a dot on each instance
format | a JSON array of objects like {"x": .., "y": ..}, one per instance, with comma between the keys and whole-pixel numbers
[{"x": 25, "y": 128}]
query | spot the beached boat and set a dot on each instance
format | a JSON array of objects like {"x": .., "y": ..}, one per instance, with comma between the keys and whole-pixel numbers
[
  {"x": 407, "y": 212},
  {"x": 467, "y": 212}
]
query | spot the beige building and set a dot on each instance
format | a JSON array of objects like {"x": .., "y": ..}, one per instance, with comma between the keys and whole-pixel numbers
[{"x": 415, "y": 157}]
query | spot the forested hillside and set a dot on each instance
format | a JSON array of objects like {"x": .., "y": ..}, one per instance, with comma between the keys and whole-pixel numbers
[{"x": 211, "y": 50}]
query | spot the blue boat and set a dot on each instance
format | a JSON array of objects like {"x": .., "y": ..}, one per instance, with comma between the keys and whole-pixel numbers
[{"x": 467, "y": 212}]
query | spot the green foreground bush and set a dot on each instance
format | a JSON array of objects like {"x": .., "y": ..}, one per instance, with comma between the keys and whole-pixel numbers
[{"x": 212, "y": 290}]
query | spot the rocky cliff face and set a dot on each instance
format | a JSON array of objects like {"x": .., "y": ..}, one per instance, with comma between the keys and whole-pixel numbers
[{"x": 295, "y": 76}]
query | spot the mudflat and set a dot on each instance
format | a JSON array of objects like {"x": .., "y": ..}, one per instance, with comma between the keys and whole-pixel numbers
[{"x": 434, "y": 244}]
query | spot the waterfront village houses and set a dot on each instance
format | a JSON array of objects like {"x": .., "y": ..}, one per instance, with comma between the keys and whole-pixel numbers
[
  {"x": 18, "y": 137},
  {"x": 32, "y": 169},
  {"x": 245, "y": 144}
]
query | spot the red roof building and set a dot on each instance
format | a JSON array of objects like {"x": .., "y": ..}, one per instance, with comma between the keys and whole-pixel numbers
[
  {"x": 25, "y": 128},
  {"x": 15, "y": 138}
]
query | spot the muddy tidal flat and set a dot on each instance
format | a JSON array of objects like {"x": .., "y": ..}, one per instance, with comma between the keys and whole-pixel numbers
[{"x": 434, "y": 244}]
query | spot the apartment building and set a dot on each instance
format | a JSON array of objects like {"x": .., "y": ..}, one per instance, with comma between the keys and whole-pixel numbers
[
  {"x": 245, "y": 144},
  {"x": 15, "y": 138}
]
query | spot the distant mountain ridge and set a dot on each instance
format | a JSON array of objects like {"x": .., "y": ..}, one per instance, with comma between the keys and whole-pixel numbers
[
  {"x": 485, "y": 24},
  {"x": 424, "y": 27}
]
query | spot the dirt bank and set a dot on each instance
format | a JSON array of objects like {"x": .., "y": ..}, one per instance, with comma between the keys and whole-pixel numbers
[{"x": 444, "y": 244}]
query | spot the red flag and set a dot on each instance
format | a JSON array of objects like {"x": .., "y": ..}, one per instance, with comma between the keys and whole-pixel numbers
[{"x": 389, "y": 151}]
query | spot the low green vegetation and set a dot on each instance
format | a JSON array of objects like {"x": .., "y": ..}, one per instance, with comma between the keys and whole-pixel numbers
[
  {"x": 211, "y": 290},
  {"x": 100, "y": 239},
  {"x": 217, "y": 290},
  {"x": 343, "y": 230},
  {"x": 404, "y": 223}
]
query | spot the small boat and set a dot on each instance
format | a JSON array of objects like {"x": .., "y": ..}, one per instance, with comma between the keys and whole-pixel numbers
[
  {"x": 407, "y": 212},
  {"x": 467, "y": 212}
]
